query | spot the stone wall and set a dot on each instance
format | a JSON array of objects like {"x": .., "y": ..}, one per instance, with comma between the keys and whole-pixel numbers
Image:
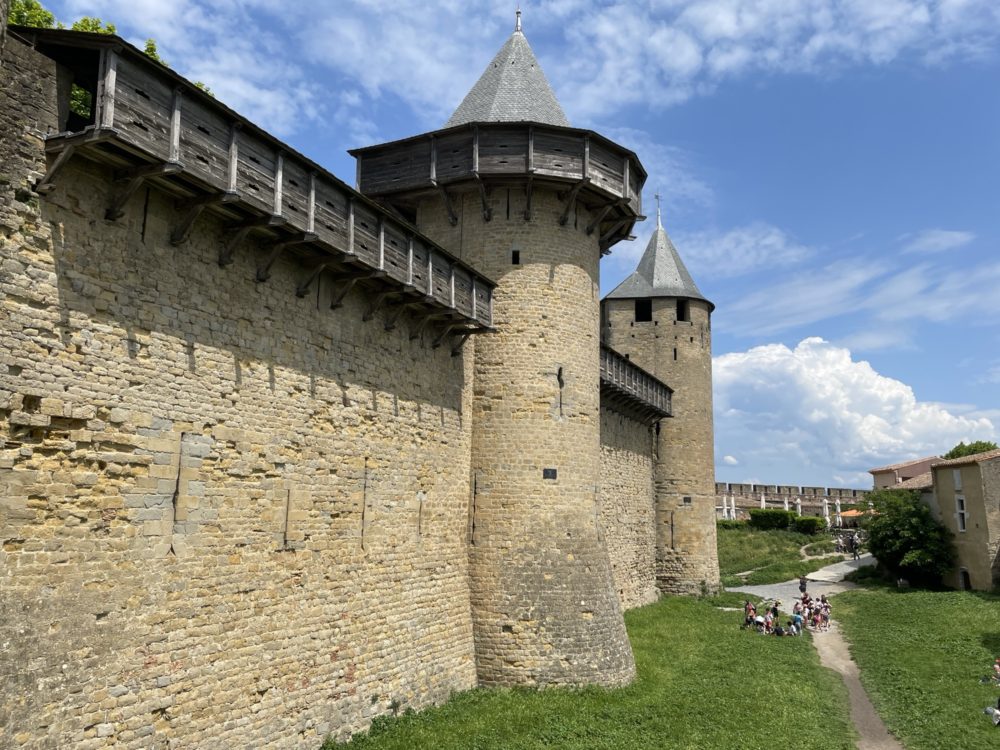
[
  {"x": 627, "y": 509},
  {"x": 678, "y": 352},
  {"x": 545, "y": 608},
  {"x": 228, "y": 516}
]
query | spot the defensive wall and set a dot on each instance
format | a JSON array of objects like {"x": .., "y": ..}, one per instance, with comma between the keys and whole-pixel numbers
[
  {"x": 734, "y": 500},
  {"x": 238, "y": 494}
]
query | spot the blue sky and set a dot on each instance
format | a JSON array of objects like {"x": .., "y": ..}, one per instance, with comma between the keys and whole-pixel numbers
[{"x": 829, "y": 171}]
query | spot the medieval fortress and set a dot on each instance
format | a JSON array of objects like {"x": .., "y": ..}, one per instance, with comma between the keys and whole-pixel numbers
[{"x": 279, "y": 455}]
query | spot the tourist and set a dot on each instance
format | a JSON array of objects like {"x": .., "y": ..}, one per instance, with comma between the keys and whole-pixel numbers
[
  {"x": 802, "y": 583},
  {"x": 854, "y": 544}
]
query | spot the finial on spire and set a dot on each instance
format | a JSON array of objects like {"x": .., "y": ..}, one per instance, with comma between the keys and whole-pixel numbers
[
  {"x": 659, "y": 224},
  {"x": 517, "y": 23}
]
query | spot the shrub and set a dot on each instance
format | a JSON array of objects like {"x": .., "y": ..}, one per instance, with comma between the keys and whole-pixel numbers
[
  {"x": 727, "y": 523},
  {"x": 810, "y": 525},
  {"x": 770, "y": 518},
  {"x": 907, "y": 539}
]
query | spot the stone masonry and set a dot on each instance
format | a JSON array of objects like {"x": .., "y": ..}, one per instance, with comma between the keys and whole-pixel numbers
[
  {"x": 233, "y": 516},
  {"x": 680, "y": 353},
  {"x": 226, "y": 518},
  {"x": 536, "y": 407}
]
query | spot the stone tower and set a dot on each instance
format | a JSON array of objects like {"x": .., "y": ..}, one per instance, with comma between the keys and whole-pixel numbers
[
  {"x": 511, "y": 188},
  {"x": 659, "y": 320}
]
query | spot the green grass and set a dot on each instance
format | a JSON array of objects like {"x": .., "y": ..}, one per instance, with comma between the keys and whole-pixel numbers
[
  {"x": 824, "y": 547},
  {"x": 773, "y": 555},
  {"x": 921, "y": 654},
  {"x": 703, "y": 684}
]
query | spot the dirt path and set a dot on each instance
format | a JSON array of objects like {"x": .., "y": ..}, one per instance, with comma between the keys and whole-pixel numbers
[
  {"x": 833, "y": 653},
  {"x": 833, "y": 650}
]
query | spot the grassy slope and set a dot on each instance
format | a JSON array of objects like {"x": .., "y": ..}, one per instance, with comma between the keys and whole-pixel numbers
[
  {"x": 921, "y": 655},
  {"x": 703, "y": 684},
  {"x": 772, "y": 555}
]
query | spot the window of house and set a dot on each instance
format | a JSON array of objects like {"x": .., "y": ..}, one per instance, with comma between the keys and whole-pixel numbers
[
  {"x": 683, "y": 311},
  {"x": 643, "y": 310},
  {"x": 960, "y": 513},
  {"x": 956, "y": 478}
]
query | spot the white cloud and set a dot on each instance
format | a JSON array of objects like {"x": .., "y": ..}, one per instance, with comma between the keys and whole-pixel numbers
[
  {"x": 936, "y": 240},
  {"x": 730, "y": 460},
  {"x": 739, "y": 251},
  {"x": 813, "y": 413}
]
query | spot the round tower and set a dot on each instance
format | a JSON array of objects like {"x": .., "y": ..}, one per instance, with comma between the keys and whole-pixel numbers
[
  {"x": 510, "y": 188},
  {"x": 659, "y": 320}
]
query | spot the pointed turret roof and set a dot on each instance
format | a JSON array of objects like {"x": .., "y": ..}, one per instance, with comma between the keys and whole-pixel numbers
[
  {"x": 512, "y": 89},
  {"x": 661, "y": 272}
]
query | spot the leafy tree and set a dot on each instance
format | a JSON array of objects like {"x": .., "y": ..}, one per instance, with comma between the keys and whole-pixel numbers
[
  {"x": 979, "y": 446},
  {"x": 30, "y": 13},
  {"x": 94, "y": 26},
  {"x": 906, "y": 538}
]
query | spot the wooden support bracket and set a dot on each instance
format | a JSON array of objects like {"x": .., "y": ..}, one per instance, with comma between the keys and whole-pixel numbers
[
  {"x": 484, "y": 195},
  {"x": 240, "y": 232},
  {"x": 528, "y": 189},
  {"x": 264, "y": 269},
  {"x": 416, "y": 332},
  {"x": 570, "y": 199},
  {"x": 377, "y": 303},
  {"x": 602, "y": 213},
  {"x": 192, "y": 210},
  {"x": 452, "y": 216},
  {"x": 133, "y": 179},
  {"x": 445, "y": 332},
  {"x": 47, "y": 183},
  {"x": 350, "y": 279},
  {"x": 303, "y": 288},
  {"x": 401, "y": 307},
  {"x": 457, "y": 348}
]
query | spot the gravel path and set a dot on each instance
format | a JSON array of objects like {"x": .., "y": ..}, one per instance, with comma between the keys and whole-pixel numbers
[{"x": 833, "y": 650}]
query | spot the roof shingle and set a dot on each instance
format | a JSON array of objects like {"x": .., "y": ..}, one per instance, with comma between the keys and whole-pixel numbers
[{"x": 512, "y": 89}]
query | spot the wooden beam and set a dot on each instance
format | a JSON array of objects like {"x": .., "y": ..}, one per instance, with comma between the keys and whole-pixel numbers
[
  {"x": 422, "y": 324},
  {"x": 303, "y": 286},
  {"x": 240, "y": 231},
  {"x": 193, "y": 209},
  {"x": 133, "y": 179},
  {"x": 234, "y": 155},
  {"x": 47, "y": 183},
  {"x": 527, "y": 205},
  {"x": 311, "y": 210},
  {"x": 350, "y": 279},
  {"x": 484, "y": 197},
  {"x": 106, "y": 88},
  {"x": 608, "y": 234},
  {"x": 279, "y": 178},
  {"x": 175, "y": 126},
  {"x": 452, "y": 216},
  {"x": 586, "y": 158},
  {"x": 457, "y": 348},
  {"x": 445, "y": 331},
  {"x": 451, "y": 285},
  {"x": 264, "y": 270},
  {"x": 602, "y": 213},
  {"x": 571, "y": 200},
  {"x": 402, "y": 306},
  {"x": 377, "y": 303}
]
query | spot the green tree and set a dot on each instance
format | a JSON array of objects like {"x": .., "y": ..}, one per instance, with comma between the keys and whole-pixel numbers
[
  {"x": 30, "y": 13},
  {"x": 906, "y": 538},
  {"x": 93, "y": 25},
  {"x": 979, "y": 446}
]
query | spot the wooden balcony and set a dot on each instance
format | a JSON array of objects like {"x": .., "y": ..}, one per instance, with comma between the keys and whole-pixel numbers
[
  {"x": 631, "y": 389},
  {"x": 585, "y": 167},
  {"x": 154, "y": 127}
]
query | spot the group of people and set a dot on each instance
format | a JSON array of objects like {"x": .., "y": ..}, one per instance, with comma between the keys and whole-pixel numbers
[
  {"x": 994, "y": 678},
  {"x": 806, "y": 613},
  {"x": 849, "y": 544}
]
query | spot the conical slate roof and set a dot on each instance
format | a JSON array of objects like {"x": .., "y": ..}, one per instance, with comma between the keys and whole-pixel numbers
[
  {"x": 512, "y": 89},
  {"x": 661, "y": 272}
]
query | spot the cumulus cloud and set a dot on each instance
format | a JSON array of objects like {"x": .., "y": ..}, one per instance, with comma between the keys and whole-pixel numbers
[
  {"x": 814, "y": 413},
  {"x": 935, "y": 240},
  {"x": 730, "y": 460}
]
